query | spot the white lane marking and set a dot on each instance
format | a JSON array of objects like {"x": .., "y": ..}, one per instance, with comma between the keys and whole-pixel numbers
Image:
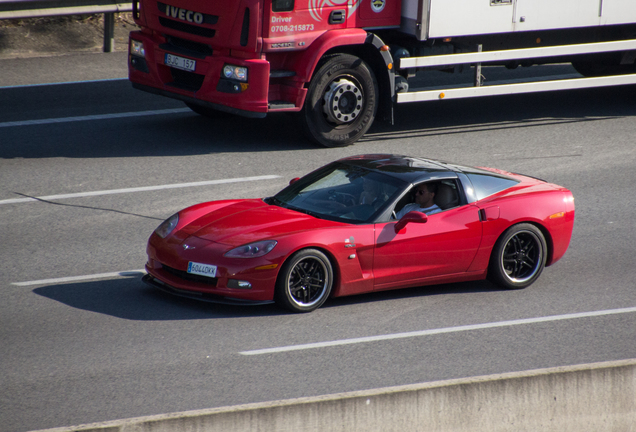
[
  {"x": 94, "y": 117},
  {"x": 138, "y": 189},
  {"x": 438, "y": 331},
  {"x": 82, "y": 278},
  {"x": 62, "y": 83}
]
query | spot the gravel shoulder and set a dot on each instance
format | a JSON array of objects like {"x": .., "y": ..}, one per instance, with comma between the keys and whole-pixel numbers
[{"x": 57, "y": 36}]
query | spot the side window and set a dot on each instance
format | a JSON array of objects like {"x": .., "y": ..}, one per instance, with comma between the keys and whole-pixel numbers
[
  {"x": 282, "y": 5},
  {"x": 447, "y": 194},
  {"x": 486, "y": 185}
]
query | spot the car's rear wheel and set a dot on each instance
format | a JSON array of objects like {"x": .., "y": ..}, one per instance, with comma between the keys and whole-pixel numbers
[
  {"x": 518, "y": 257},
  {"x": 305, "y": 281}
]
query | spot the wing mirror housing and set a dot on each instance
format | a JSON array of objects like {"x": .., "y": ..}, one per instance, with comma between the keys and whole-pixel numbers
[
  {"x": 294, "y": 180},
  {"x": 410, "y": 217}
]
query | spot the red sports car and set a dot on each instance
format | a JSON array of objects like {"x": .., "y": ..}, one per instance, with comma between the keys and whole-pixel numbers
[{"x": 340, "y": 230}]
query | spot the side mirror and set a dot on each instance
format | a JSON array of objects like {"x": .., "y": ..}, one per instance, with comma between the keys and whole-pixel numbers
[
  {"x": 294, "y": 180},
  {"x": 410, "y": 217}
]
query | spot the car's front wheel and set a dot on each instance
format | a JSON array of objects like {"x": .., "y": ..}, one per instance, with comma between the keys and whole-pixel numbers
[
  {"x": 518, "y": 257},
  {"x": 305, "y": 281}
]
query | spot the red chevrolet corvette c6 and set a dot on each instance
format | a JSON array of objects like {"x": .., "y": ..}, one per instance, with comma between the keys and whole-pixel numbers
[{"x": 340, "y": 231}]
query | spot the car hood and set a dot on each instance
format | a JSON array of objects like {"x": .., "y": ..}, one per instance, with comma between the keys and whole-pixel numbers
[{"x": 252, "y": 220}]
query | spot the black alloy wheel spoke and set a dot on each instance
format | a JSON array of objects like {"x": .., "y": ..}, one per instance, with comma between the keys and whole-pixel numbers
[{"x": 306, "y": 280}]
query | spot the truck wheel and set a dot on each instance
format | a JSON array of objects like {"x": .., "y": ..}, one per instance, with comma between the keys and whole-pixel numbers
[
  {"x": 207, "y": 112},
  {"x": 601, "y": 65},
  {"x": 341, "y": 102}
]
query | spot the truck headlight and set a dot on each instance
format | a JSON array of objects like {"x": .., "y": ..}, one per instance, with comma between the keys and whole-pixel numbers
[
  {"x": 238, "y": 73},
  {"x": 137, "y": 48}
]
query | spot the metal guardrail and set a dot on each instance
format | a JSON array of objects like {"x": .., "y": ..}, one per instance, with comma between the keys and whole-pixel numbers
[{"x": 14, "y": 9}]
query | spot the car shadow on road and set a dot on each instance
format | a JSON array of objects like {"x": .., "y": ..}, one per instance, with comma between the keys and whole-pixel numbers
[
  {"x": 414, "y": 293},
  {"x": 128, "y": 298}
]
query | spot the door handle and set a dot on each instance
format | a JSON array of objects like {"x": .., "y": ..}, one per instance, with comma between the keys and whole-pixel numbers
[{"x": 337, "y": 16}]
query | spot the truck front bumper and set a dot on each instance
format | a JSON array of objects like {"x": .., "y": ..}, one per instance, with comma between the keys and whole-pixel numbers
[{"x": 204, "y": 84}]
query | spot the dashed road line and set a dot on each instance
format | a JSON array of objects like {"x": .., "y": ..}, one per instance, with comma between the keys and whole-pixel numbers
[
  {"x": 137, "y": 189},
  {"x": 437, "y": 331},
  {"x": 54, "y": 281},
  {"x": 94, "y": 117}
]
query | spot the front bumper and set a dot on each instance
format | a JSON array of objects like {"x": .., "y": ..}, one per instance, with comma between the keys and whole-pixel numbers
[
  {"x": 205, "y": 85},
  {"x": 212, "y": 298}
]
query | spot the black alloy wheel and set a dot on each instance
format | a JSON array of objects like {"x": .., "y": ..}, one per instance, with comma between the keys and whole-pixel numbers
[
  {"x": 518, "y": 257},
  {"x": 305, "y": 281}
]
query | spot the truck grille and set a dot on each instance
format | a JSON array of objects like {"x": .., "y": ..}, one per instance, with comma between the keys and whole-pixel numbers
[
  {"x": 185, "y": 80},
  {"x": 186, "y": 47},
  {"x": 186, "y": 28},
  {"x": 190, "y": 277}
]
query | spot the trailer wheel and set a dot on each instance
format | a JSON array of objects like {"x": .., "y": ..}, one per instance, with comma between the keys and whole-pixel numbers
[
  {"x": 602, "y": 65},
  {"x": 341, "y": 102}
]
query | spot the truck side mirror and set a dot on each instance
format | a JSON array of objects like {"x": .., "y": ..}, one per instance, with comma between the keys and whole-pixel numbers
[{"x": 410, "y": 217}]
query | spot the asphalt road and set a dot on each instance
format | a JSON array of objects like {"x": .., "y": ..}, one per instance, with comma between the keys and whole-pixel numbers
[{"x": 105, "y": 347}]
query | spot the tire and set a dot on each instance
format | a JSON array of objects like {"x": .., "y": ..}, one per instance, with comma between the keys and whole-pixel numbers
[
  {"x": 594, "y": 69},
  {"x": 603, "y": 65},
  {"x": 305, "y": 281},
  {"x": 518, "y": 257},
  {"x": 341, "y": 102},
  {"x": 207, "y": 112}
]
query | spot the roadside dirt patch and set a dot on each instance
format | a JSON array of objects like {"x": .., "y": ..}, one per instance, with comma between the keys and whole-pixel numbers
[{"x": 51, "y": 36}]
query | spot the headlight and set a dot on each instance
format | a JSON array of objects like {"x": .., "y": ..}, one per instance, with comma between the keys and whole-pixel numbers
[
  {"x": 252, "y": 250},
  {"x": 235, "y": 72},
  {"x": 167, "y": 226},
  {"x": 137, "y": 48}
]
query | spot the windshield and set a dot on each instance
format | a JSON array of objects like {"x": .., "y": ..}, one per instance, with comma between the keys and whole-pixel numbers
[{"x": 341, "y": 192}]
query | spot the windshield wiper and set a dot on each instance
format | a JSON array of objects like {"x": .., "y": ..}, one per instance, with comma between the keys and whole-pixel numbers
[{"x": 275, "y": 201}]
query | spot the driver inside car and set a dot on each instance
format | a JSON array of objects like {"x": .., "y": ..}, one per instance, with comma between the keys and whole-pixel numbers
[{"x": 424, "y": 197}]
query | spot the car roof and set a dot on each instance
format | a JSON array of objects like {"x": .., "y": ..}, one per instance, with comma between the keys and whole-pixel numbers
[{"x": 406, "y": 168}]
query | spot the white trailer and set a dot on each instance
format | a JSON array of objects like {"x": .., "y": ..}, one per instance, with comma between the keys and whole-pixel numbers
[{"x": 597, "y": 36}]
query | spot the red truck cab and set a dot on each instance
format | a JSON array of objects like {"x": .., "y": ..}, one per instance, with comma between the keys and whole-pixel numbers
[{"x": 247, "y": 57}]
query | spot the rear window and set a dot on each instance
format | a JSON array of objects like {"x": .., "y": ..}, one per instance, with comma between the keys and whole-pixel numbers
[{"x": 486, "y": 185}]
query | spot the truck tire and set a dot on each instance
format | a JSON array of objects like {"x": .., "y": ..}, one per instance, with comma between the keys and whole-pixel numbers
[
  {"x": 602, "y": 65},
  {"x": 341, "y": 101}
]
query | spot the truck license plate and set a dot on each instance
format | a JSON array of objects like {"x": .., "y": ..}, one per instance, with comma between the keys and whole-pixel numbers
[{"x": 180, "y": 62}]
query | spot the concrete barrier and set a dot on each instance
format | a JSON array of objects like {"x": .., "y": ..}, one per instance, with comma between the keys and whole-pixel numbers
[{"x": 593, "y": 397}]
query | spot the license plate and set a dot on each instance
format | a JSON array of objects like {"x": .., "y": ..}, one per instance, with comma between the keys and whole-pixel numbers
[
  {"x": 180, "y": 62},
  {"x": 202, "y": 269}
]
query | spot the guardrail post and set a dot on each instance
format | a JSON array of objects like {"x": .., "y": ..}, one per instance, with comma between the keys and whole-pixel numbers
[
  {"x": 109, "y": 32},
  {"x": 478, "y": 69}
]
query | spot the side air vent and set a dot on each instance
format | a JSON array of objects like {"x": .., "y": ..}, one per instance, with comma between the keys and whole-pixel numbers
[
  {"x": 245, "y": 31},
  {"x": 186, "y": 28}
]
